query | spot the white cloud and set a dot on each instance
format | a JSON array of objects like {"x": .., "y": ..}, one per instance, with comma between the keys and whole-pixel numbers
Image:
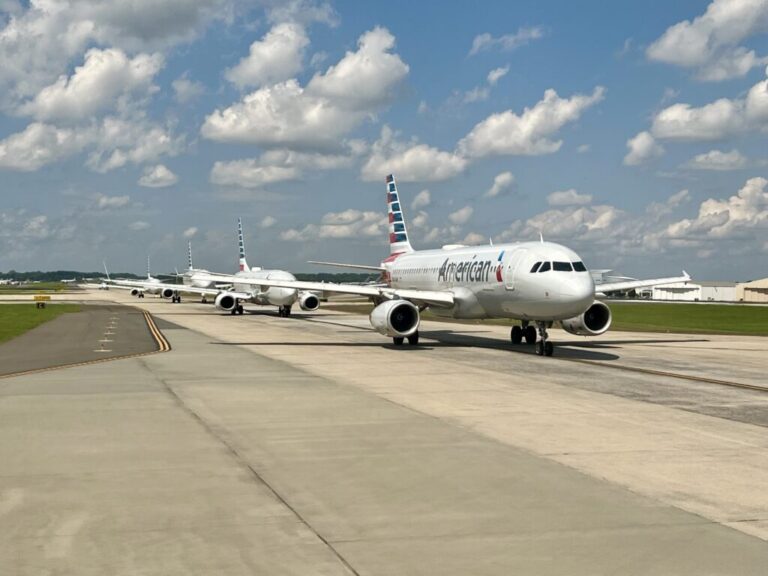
[
  {"x": 497, "y": 74},
  {"x": 583, "y": 148},
  {"x": 531, "y": 132},
  {"x": 473, "y": 239},
  {"x": 421, "y": 200},
  {"x": 501, "y": 183},
  {"x": 423, "y": 107},
  {"x": 104, "y": 79},
  {"x": 249, "y": 174},
  {"x": 410, "y": 162},
  {"x": 462, "y": 215},
  {"x": 37, "y": 145},
  {"x": 718, "y": 160},
  {"x": 347, "y": 224},
  {"x": 138, "y": 225},
  {"x": 568, "y": 197},
  {"x": 267, "y": 222},
  {"x": 186, "y": 90},
  {"x": 642, "y": 147},
  {"x": 274, "y": 58},
  {"x": 507, "y": 42},
  {"x": 112, "y": 201},
  {"x": 158, "y": 176},
  {"x": 190, "y": 232},
  {"x": 332, "y": 104},
  {"x": 710, "y": 43},
  {"x": 477, "y": 94}
]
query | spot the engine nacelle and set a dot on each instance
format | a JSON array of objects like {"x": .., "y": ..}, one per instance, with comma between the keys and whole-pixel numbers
[
  {"x": 595, "y": 321},
  {"x": 225, "y": 301},
  {"x": 135, "y": 291},
  {"x": 395, "y": 318},
  {"x": 309, "y": 301},
  {"x": 167, "y": 293}
]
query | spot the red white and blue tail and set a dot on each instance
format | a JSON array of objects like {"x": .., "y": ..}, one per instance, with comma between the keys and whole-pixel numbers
[
  {"x": 398, "y": 235},
  {"x": 241, "y": 245}
]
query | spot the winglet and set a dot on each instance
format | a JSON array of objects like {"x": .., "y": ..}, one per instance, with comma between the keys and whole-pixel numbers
[{"x": 687, "y": 276}]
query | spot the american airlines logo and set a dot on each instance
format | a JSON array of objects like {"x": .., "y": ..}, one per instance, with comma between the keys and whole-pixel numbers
[{"x": 466, "y": 271}]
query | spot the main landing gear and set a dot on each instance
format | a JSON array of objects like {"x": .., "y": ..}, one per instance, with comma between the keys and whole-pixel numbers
[
  {"x": 284, "y": 311},
  {"x": 528, "y": 332},
  {"x": 237, "y": 310},
  {"x": 413, "y": 339},
  {"x": 176, "y": 299},
  {"x": 204, "y": 300}
]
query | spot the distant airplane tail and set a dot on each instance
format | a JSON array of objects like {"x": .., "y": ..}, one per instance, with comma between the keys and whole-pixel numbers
[
  {"x": 189, "y": 255},
  {"x": 398, "y": 235},
  {"x": 242, "y": 262},
  {"x": 149, "y": 276}
]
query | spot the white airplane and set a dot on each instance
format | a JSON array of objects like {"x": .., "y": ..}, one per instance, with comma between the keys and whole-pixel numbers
[
  {"x": 537, "y": 283},
  {"x": 245, "y": 287},
  {"x": 192, "y": 276},
  {"x": 138, "y": 288}
]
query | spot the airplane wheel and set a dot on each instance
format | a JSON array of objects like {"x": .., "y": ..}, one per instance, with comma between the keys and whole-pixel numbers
[
  {"x": 548, "y": 348},
  {"x": 540, "y": 348},
  {"x": 516, "y": 335},
  {"x": 413, "y": 339},
  {"x": 287, "y": 311},
  {"x": 530, "y": 334},
  {"x": 398, "y": 340},
  {"x": 233, "y": 311},
  {"x": 240, "y": 309},
  {"x": 204, "y": 301}
]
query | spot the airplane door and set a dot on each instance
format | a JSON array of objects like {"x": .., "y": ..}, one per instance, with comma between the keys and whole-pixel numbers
[{"x": 513, "y": 267}]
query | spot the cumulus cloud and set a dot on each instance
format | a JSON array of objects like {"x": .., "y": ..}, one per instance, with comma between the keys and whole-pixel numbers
[
  {"x": 480, "y": 93},
  {"x": 711, "y": 42},
  {"x": 531, "y": 132},
  {"x": 112, "y": 201},
  {"x": 473, "y": 239},
  {"x": 138, "y": 225},
  {"x": 642, "y": 147},
  {"x": 274, "y": 58},
  {"x": 497, "y": 74},
  {"x": 347, "y": 224},
  {"x": 158, "y": 176},
  {"x": 249, "y": 173},
  {"x": 718, "y": 160},
  {"x": 507, "y": 42},
  {"x": 332, "y": 104},
  {"x": 267, "y": 222},
  {"x": 410, "y": 161},
  {"x": 462, "y": 215},
  {"x": 39, "y": 144},
  {"x": 186, "y": 90},
  {"x": 421, "y": 200},
  {"x": 190, "y": 232},
  {"x": 568, "y": 197},
  {"x": 501, "y": 183},
  {"x": 106, "y": 77}
]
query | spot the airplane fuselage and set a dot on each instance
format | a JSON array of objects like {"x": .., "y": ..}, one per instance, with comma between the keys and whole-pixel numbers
[
  {"x": 499, "y": 281},
  {"x": 268, "y": 295}
]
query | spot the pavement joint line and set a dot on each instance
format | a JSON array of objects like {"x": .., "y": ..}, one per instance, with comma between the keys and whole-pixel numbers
[{"x": 160, "y": 339}]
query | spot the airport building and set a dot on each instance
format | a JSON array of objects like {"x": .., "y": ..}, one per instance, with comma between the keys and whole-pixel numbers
[
  {"x": 697, "y": 292},
  {"x": 755, "y": 291}
]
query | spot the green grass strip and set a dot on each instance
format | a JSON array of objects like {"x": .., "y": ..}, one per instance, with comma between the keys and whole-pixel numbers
[{"x": 15, "y": 319}]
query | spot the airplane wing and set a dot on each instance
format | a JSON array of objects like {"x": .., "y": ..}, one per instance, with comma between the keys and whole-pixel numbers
[
  {"x": 355, "y": 266},
  {"x": 442, "y": 298},
  {"x": 182, "y": 288},
  {"x": 631, "y": 284}
]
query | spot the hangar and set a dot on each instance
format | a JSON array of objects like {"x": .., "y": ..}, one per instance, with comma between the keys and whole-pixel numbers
[
  {"x": 755, "y": 291},
  {"x": 696, "y": 292}
]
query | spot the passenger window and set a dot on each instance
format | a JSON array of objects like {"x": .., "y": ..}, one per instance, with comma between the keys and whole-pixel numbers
[
  {"x": 545, "y": 267},
  {"x": 579, "y": 267},
  {"x": 535, "y": 267},
  {"x": 562, "y": 267}
]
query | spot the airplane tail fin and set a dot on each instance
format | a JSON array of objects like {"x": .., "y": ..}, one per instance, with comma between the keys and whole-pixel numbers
[
  {"x": 398, "y": 235},
  {"x": 149, "y": 276},
  {"x": 189, "y": 255},
  {"x": 105, "y": 269},
  {"x": 242, "y": 262}
]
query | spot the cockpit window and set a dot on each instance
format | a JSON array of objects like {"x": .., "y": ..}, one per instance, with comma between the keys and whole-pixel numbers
[
  {"x": 545, "y": 267},
  {"x": 562, "y": 267},
  {"x": 579, "y": 267},
  {"x": 535, "y": 267}
]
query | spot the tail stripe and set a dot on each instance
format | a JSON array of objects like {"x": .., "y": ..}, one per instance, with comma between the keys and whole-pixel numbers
[{"x": 398, "y": 235}]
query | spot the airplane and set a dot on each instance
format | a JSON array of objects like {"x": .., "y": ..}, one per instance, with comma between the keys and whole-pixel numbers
[
  {"x": 536, "y": 283},
  {"x": 138, "y": 288},
  {"x": 243, "y": 283}
]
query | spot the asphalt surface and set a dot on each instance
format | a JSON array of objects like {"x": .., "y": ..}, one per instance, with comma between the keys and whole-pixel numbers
[{"x": 77, "y": 337}]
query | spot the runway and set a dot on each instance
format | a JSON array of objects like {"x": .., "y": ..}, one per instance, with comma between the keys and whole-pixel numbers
[{"x": 310, "y": 445}]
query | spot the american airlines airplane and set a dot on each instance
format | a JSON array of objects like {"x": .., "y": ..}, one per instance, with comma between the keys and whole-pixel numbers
[
  {"x": 246, "y": 287},
  {"x": 138, "y": 288},
  {"x": 537, "y": 283}
]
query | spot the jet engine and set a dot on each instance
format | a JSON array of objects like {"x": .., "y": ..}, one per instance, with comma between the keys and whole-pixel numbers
[
  {"x": 397, "y": 318},
  {"x": 595, "y": 321},
  {"x": 225, "y": 301},
  {"x": 167, "y": 293},
  {"x": 309, "y": 301},
  {"x": 135, "y": 291}
]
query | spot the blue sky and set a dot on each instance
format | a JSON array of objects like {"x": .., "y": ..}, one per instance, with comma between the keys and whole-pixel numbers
[{"x": 634, "y": 132}]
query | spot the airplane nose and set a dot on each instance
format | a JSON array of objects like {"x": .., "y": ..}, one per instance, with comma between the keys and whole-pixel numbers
[{"x": 580, "y": 290}]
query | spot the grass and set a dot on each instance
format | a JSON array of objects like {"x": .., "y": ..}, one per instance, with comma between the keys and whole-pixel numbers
[
  {"x": 15, "y": 319},
  {"x": 649, "y": 317},
  {"x": 31, "y": 288}
]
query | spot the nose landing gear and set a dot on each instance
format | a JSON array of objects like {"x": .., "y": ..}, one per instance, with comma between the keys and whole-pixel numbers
[{"x": 543, "y": 347}]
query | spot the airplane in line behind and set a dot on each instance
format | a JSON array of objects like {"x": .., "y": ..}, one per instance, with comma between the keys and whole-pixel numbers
[
  {"x": 536, "y": 283},
  {"x": 138, "y": 288},
  {"x": 245, "y": 287}
]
